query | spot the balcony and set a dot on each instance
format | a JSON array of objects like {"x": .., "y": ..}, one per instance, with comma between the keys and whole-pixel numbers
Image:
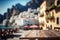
[
  {"x": 50, "y": 17},
  {"x": 57, "y": 8},
  {"x": 42, "y": 15},
  {"x": 50, "y": 8},
  {"x": 42, "y": 23}
]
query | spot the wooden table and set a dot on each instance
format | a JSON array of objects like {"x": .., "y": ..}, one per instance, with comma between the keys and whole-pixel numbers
[{"x": 41, "y": 35}]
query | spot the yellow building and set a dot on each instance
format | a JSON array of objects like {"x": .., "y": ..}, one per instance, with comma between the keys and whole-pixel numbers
[
  {"x": 42, "y": 20},
  {"x": 50, "y": 14}
]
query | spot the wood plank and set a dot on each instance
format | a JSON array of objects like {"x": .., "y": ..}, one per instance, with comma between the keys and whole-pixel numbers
[
  {"x": 48, "y": 33},
  {"x": 28, "y": 34},
  {"x": 43, "y": 34},
  {"x": 56, "y": 32}
]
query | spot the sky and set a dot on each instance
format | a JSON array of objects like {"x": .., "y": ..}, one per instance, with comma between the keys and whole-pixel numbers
[{"x": 4, "y": 4}]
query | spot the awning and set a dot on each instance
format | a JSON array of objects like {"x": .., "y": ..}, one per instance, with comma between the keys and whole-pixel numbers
[{"x": 34, "y": 26}]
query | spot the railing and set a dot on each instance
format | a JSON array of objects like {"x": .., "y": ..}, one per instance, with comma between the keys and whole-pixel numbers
[
  {"x": 50, "y": 17},
  {"x": 51, "y": 7},
  {"x": 41, "y": 15},
  {"x": 57, "y": 8}
]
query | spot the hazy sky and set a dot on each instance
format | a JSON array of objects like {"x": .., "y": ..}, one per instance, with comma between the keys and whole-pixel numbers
[{"x": 4, "y": 4}]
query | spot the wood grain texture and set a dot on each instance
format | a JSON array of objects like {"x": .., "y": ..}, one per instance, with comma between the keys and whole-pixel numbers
[{"x": 43, "y": 35}]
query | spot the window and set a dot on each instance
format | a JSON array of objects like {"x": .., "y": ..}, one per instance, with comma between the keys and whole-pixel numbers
[
  {"x": 51, "y": 3},
  {"x": 57, "y": 20},
  {"x": 21, "y": 16},
  {"x": 31, "y": 11},
  {"x": 58, "y": 2},
  {"x": 36, "y": 13},
  {"x": 50, "y": 27},
  {"x": 52, "y": 14}
]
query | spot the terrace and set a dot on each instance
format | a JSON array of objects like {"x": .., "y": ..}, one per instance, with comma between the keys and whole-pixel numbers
[
  {"x": 50, "y": 8},
  {"x": 50, "y": 17}
]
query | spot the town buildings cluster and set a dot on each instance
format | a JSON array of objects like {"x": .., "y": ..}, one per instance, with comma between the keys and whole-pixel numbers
[
  {"x": 29, "y": 17},
  {"x": 47, "y": 16}
]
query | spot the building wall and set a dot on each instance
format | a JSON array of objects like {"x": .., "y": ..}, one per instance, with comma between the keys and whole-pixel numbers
[
  {"x": 42, "y": 11},
  {"x": 43, "y": 7},
  {"x": 54, "y": 24},
  {"x": 57, "y": 15}
]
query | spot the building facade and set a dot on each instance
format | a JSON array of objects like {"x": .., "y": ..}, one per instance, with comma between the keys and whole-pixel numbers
[{"x": 50, "y": 14}]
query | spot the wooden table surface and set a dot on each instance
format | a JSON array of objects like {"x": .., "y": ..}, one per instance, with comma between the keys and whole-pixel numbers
[{"x": 42, "y": 34}]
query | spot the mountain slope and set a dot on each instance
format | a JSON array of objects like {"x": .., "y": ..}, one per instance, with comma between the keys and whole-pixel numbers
[
  {"x": 34, "y": 4},
  {"x": 1, "y": 18}
]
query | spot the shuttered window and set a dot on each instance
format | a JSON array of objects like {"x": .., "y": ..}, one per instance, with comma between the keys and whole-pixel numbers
[{"x": 57, "y": 20}]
